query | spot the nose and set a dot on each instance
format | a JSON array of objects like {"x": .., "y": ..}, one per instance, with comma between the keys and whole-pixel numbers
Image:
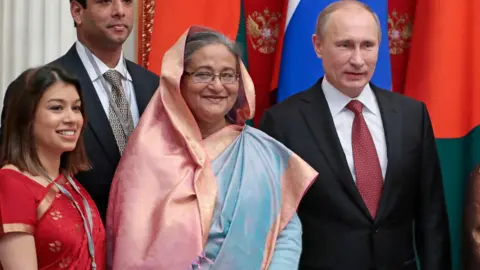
[
  {"x": 117, "y": 8},
  {"x": 357, "y": 58},
  {"x": 71, "y": 116},
  {"x": 216, "y": 85},
  {"x": 68, "y": 117}
]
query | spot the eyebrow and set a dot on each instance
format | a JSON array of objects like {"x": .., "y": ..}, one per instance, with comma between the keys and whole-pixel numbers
[
  {"x": 207, "y": 67},
  {"x": 211, "y": 68},
  {"x": 60, "y": 100},
  {"x": 351, "y": 40}
]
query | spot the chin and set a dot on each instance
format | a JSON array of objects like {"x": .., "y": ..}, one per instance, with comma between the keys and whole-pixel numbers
[
  {"x": 118, "y": 40},
  {"x": 211, "y": 117},
  {"x": 112, "y": 39},
  {"x": 67, "y": 148},
  {"x": 357, "y": 84}
]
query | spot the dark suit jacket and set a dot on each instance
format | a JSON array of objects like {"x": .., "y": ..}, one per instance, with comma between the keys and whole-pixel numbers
[
  {"x": 471, "y": 222},
  {"x": 338, "y": 231},
  {"x": 100, "y": 144}
]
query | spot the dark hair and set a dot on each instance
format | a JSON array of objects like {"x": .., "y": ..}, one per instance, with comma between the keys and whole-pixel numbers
[
  {"x": 18, "y": 142},
  {"x": 83, "y": 3}
]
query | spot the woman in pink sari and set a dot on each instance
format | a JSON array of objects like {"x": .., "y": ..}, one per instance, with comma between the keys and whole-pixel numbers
[{"x": 196, "y": 187}]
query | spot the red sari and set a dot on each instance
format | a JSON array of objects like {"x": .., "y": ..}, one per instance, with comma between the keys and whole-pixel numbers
[{"x": 53, "y": 220}]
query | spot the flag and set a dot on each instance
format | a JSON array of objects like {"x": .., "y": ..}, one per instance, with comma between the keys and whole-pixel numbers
[
  {"x": 443, "y": 71},
  {"x": 241, "y": 40},
  {"x": 173, "y": 17},
  {"x": 300, "y": 67},
  {"x": 401, "y": 16},
  {"x": 241, "y": 43},
  {"x": 262, "y": 22}
]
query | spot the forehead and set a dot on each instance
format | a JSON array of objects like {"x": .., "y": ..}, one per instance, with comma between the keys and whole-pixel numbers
[
  {"x": 352, "y": 23},
  {"x": 62, "y": 91},
  {"x": 214, "y": 56},
  {"x": 100, "y": 5}
]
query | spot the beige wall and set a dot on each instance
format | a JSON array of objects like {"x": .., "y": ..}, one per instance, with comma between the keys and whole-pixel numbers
[
  {"x": 32, "y": 33},
  {"x": 130, "y": 45}
]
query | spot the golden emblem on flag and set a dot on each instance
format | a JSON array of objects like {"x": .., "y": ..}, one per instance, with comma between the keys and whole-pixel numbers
[
  {"x": 399, "y": 32},
  {"x": 263, "y": 29}
]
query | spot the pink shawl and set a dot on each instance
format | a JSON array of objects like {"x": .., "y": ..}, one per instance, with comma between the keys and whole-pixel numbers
[{"x": 163, "y": 194}]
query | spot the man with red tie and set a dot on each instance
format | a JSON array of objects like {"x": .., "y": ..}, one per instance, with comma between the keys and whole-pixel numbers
[{"x": 379, "y": 194}]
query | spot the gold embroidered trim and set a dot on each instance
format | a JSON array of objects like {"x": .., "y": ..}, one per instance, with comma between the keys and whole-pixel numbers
[
  {"x": 17, "y": 227},
  {"x": 145, "y": 29}
]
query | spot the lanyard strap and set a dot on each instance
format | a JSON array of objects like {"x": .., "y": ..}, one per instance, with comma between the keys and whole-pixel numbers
[
  {"x": 126, "y": 125},
  {"x": 87, "y": 222}
]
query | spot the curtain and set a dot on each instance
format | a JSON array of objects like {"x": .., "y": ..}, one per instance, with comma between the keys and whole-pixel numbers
[{"x": 32, "y": 33}]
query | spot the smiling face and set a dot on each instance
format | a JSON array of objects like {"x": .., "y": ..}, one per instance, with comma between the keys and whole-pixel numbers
[
  {"x": 58, "y": 119},
  {"x": 107, "y": 23},
  {"x": 349, "y": 49},
  {"x": 210, "y": 100}
]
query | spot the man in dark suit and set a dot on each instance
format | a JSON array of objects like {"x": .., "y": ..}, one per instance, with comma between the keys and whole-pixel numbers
[
  {"x": 116, "y": 91},
  {"x": 379, "y": 191}
]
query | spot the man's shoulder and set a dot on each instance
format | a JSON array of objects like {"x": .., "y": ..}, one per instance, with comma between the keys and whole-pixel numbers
[
  {"x": 398, "y": 99},
  {"x": 136, "y": 68},
  {"x": 60, "y": 62},
  {"x": 68, "y": 61},
  {"x": 292, "y": 103}
]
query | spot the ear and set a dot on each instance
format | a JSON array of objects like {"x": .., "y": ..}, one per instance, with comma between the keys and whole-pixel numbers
[
  {"x": 317, "y": 45},
  {"x": 76, "y": 9}
]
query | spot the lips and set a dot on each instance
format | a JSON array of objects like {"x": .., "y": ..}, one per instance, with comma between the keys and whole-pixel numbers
[
  {"x": 349, "y": 73},
  {"x": 355, "y": 73},
  {"x": 118, "y": 27},
  {"x": 219, "y": 97},
  {"x": 214, "y": 99},
  {"x": 67, "y": 132}
]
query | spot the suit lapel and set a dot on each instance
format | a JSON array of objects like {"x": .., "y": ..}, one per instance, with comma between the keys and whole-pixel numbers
[
  {"x": 317, "y": 115},
  {"x": 392, "y": 123},
  {"x": 141, "y": 96},
  {"x": 96, "y": 117}
]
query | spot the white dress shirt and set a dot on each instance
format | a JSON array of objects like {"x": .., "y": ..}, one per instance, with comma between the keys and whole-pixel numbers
[
  {"x": 97, "y": 83},
  {"x": 343, "y": 120}
]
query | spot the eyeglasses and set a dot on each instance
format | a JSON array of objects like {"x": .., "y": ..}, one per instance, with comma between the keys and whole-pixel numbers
[{"x": 208, "y": 77}]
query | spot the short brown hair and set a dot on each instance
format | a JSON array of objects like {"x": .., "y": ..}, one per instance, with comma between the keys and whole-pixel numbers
[
  {"x": 18, "y": 142},
  {"x": 326, "y": 12}
]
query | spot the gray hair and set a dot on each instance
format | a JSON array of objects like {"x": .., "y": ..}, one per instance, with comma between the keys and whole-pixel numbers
[
  {"x": 199, "y": 40},
  {"x": 324, "y": 16}
]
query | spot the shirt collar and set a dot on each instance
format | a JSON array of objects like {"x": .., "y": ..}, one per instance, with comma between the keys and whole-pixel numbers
[
  {"x": 121, "y": 68},
  {"x": 337, "y": 100}
]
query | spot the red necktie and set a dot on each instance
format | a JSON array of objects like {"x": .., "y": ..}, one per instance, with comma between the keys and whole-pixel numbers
[{"x": 368, "y": 172}]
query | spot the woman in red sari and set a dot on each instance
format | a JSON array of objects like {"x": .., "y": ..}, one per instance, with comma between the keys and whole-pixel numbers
[{"x": 47, "y": 220}]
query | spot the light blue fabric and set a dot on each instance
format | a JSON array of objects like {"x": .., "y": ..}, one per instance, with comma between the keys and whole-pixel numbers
[
  {"x": 288, "y": 247},
  {"x": 248, "y": 174}
]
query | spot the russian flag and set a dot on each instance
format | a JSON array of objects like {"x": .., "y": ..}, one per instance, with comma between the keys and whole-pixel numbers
[{"x": 300, "y": 67}]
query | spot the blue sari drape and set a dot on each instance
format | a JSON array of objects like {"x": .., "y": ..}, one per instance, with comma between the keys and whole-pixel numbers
[{"x": 248, "y": 203}]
